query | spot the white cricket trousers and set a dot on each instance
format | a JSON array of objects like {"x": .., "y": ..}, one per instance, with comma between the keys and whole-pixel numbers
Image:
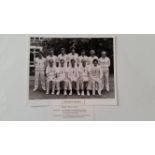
[
  {"x": 105, "y": 79},
  {"x": 82, "y": 82},
  {"x": 95, "y": 84},
  {"x": 70, "y": 84},
  {"x": 58, "y": 81},
  {"x": 39, "y": 74},
  {"x": 48, "y": 84}
]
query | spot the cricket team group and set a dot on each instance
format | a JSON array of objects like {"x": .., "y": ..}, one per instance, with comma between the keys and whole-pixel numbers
[{"x": 69, "y": 74}]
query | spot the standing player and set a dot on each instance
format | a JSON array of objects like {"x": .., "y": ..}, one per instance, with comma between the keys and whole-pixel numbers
[
  {"x": 51, "y": 75},
  {"x": 61, "y": 76},
  {"x": 39, "y": 72},
  {"x": 95, "y": 77},
  {"x": 73, "y": 55},
  {"x": 73, "y": 77},
  {"x": 91, "y": 57},
  {"x": 82, "y": 57},
  {"x": 104, "y": 62},
  {"x": 84, "y": 77},
  {"x": 63, "y": 56},
  {"x": 51, "y": 57}
]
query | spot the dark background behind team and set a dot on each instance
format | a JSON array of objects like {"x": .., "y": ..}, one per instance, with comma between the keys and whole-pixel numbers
[{"x": 97, "y": 44}]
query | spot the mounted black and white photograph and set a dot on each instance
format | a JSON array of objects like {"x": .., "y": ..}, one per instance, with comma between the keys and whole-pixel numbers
[{"x": 72, "y": 67}]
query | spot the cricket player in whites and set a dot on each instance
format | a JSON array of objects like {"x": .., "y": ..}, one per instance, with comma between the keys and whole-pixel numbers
[
  {"x": 51, "y": 57},
  {"x": 91, "y": 57},
  {"x": 73, "y": 55},
  {"x": 63, "y": 56},
  {"x": 51, "y": 75},
  {"x": 84, "y": 77},
  {"x": 73, "y": 77},
  {"x": 61, "y": 76},
  {"x": 39, "y": 63},
  {"x": 95, "y": 73},
  {"x": 104, "y": 62},
  {"x": 82, "y": 57}
]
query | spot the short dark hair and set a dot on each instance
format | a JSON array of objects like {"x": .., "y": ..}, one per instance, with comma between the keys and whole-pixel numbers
[
  {"x": 62, "y": 60},
  {"x": 72, "y": 60},
  {"x": 95, "y": 60}
]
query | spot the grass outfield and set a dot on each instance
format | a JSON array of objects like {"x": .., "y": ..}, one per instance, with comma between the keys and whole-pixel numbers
[{"x": 40, "y": 94}]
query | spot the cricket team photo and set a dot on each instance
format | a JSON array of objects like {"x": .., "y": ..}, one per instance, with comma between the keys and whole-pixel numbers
[{"x": 71, "y": 67}]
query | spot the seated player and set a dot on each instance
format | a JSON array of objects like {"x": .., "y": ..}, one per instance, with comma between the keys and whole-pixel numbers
[
  {"x": 73, "y": 55},
  {"x": 95, "y": 77},
  {"x": 90, "y": 60},
  {"x": 51, "y": 57},
  {"x": 51, "y": 75},
  {"x": 82, "y": 57},
  {"x": 104, "y": 62},
  {"x": 84, "y": 77},
  {"x": 61, "y": 76},
  {"x": 91, "y": 57},
  {"x": 73, "y": 77},
  {"x": 39, "y": 63},
  {"x": 63, "y": 56}
]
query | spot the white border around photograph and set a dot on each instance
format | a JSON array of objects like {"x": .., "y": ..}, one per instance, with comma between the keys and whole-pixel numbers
[{"x": 75, "y": 101}]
